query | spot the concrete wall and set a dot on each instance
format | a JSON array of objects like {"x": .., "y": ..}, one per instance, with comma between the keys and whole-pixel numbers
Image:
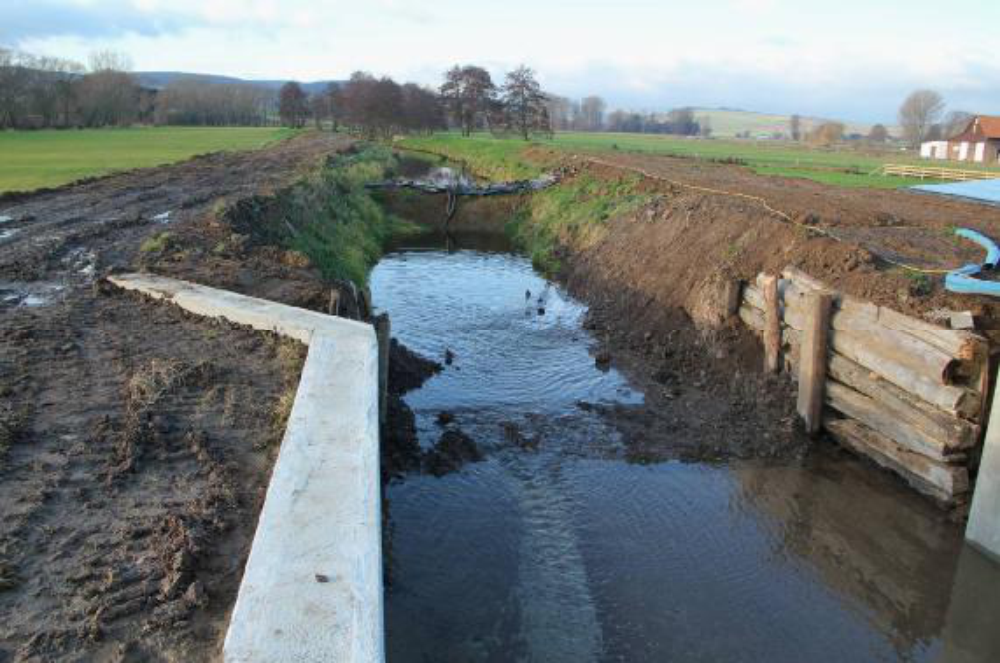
[{"x": 312, "y": 587}]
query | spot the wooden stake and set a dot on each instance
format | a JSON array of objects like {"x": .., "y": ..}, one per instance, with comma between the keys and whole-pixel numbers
[
  {"x": 772, "y": 325},
  {"x": 812, "y": 363}
]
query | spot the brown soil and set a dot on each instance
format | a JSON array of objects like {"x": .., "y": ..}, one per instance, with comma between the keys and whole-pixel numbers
[
  {"x": 688, "y": 230},
  {"x": 136, "y": 441}
]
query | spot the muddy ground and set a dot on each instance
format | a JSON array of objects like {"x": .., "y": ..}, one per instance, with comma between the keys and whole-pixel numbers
[{"x": 136, "y": 441}]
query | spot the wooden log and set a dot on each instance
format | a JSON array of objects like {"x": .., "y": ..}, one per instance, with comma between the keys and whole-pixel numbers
[
  {"x": 904, "y": 371},
  {"x": 752, "y": 317},
  {"x": 812, "y": 364},
  {"x": 944, "y": 435},
  {"x": 772, "y": 325},
  {"x": 957, "y": 343},
  {"x": 956, "y": 424},
  {"x": 877, "y": 416},
  {"x": 913, "y": 368},
  {"x": 942, "y": 482}
]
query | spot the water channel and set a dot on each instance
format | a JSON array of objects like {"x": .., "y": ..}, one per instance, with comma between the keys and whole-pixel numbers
[{"x": 555, "y": 547}]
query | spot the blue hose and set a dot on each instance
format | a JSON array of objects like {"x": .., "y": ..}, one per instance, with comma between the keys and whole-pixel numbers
[{"x": 961, "y": 280}]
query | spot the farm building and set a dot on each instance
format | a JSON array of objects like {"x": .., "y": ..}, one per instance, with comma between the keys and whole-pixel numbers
[{"x": 980, "y": 142}]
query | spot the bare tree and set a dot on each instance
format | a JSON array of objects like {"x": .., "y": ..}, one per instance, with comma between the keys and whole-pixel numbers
[
  {"x": 827, "y": 134},
  {"x": 878, "y": 134},
  {"x": 795, "y": 127},
  {"x": 524, "y": 103},
  {"x": 919, "y": 112},
  {"x": 592, "y": 113},
  {"x": 468, "y": 93},
  {"x": 293, "y": 106},
  {"x": 108, "y": 94},
  {"x": 956, "y": 122}
]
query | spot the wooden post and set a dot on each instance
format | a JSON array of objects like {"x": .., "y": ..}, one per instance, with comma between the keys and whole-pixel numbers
[
  {"x": 772, "y": 324},
  {"x": 382, "y": 333},
  {"x": 812, "y": 362}
]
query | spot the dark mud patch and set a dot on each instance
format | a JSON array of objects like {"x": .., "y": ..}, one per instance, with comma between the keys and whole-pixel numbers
[
  {"x": 408, "y": 371},
  {"x": 706, "y": 397},
  {"x": 451, "y": 452}
]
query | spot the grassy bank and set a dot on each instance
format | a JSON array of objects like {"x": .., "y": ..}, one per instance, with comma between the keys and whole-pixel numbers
[
  {"x": 36, "y": 159},
  {"x": 572, "y": 214},
  {"x": 329, "y": 217}
]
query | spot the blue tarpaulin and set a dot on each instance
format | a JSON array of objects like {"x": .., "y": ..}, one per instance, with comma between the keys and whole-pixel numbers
[{"x": 986, "y": 191}]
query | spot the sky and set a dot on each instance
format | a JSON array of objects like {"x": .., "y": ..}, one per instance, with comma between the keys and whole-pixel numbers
[{"x": 845, "y": 59}]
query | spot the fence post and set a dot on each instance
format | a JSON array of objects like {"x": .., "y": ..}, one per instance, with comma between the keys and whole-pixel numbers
[
  {"x": 812, "y": 360},
  {"x": 772, "y": 324}
]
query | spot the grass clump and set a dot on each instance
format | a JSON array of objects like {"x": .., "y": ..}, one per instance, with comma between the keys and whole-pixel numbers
[
  {"x": 157, "y": 243},
  {"x": 332, "y": 219},
  {"x": 574, "y": 213}
]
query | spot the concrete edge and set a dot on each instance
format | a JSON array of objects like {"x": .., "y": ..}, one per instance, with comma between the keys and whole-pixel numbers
[
  {"x": 291, "y": 321},
  {"x": 312, "y": 586}
]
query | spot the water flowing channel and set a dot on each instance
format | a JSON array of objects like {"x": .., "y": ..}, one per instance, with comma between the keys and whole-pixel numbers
[{"x": 555, "y": 547}]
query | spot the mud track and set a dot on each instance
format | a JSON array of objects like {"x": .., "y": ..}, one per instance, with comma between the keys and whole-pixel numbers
[{"x": 136, "y": 441}]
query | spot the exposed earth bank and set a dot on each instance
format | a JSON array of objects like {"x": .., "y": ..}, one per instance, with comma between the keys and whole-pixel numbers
[{"x": 136, "y": 441}]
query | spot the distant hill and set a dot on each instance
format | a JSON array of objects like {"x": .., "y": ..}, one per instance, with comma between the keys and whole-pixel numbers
[
  {"x": 160, "y": 79},
  {"x": 729, "y": 122}
]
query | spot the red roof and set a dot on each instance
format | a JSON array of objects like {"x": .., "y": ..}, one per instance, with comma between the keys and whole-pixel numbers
[
  {"x": 981, "y": 127},
  {"x": 990, "y": 125}
]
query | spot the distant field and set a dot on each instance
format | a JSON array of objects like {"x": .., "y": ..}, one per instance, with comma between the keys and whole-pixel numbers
[
  {"x": 34, "y": 159},
  {"x": 729, "y": 123},
  {"x": 502, "y": 158},
  {"x": 839, "y": 166}
]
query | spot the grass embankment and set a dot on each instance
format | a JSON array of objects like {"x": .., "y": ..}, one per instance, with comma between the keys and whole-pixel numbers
[
  {"x": 330, "y": 217},
  {"x": 504, "y": 158},
  {"x": 35, "y": 159}
]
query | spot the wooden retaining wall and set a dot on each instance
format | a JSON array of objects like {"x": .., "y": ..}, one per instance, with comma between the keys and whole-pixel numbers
[{"x": 906, "y": 393}]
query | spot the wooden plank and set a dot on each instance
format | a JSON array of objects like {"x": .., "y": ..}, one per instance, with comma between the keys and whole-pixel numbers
[
  {"x": 953, "y": 400},
  {"x": 875, "y": 415},
  {"x": 944, "y": 435},
  {"x": 813, "y": 360},
  {"x": 772, "y": 325},
  {"x": 940, "y": 481},
  {"x": 752, "y": 318},
  {"x": 856, "y": 314}
]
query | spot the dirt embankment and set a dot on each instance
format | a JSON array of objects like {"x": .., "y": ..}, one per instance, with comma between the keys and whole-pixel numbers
[
  {"x": 136, "y": 441},
  {"x": 689, "y": 232},
  {"x": 647, "y": 274}
]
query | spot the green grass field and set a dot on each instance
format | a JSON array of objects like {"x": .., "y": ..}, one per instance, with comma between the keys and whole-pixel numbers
[
  {"x": 34, "y": 159},
  {"x": 502, "y": 158}
]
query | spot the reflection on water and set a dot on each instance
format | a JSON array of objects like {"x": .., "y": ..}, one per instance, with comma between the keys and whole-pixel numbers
[{"x": 562, "y": 551}]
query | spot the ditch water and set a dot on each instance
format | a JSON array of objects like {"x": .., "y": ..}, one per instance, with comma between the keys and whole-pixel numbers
[{"x": 555, "y": 548}]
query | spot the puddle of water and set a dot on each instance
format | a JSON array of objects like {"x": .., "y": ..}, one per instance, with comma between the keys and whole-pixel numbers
[
  {"x": 163, "y": 217},
  {"x": 566, "y": 552},
  {"x": 5, "y": 234},
  {"x": 29, "y": 294},
  {"x": 4, "y": 218}
]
